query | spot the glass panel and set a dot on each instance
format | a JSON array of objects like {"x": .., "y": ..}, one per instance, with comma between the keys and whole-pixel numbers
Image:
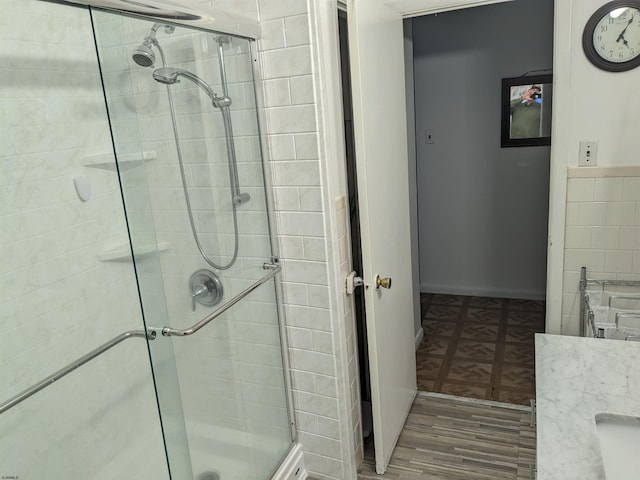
[
  {"x": 176, "y": 155},
  {"x": 187, "y": 148},
  {"x": 233, "y": 391},
  {"x": 60, "y": 294},
  {"x": 134, "y": 165}
]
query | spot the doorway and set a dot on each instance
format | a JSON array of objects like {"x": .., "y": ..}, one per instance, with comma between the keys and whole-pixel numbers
[
  {"x": 483, "y": 209},
  {"x": 482, "y": 253}
]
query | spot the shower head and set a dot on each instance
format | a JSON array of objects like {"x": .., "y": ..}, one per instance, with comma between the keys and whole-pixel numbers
[
  {"x": 169, "y": 76},
  {"x": 143, "y": 55}
]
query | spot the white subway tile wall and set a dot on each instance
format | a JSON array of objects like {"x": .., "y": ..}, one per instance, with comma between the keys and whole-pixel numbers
[
  {"x": 316, "y": 326},
  {"x": 602, "y": 234},
  {"x": 58, "y": 301}
]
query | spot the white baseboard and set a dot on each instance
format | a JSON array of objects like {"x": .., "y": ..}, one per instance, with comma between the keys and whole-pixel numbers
[
  {"x": 419, "y": 337},
  {"x": 480, "y": 292},
  {"x": 292, "y": 467},
  {"x": 476, "y": 401}
]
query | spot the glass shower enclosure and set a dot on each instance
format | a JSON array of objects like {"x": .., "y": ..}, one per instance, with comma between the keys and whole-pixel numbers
[{"x": 139, "y": 301}]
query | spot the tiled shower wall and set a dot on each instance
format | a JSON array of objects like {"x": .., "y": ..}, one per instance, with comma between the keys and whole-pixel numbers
[
  {"x": 313, "y": 244},
  {"x": 312, "y": 236},
  {"x": 230, "y": 373},
  {"x": 602, "y": 231},
  {"x": 313, "y": 241},
  {"x": 58, "y": 300}
]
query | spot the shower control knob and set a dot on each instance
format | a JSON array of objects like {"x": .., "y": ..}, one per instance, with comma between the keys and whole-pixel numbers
[
  {"x": 206, "y": 289},
  {"x": 198, "y": 292},
  {"x": 383, "y": 282}
]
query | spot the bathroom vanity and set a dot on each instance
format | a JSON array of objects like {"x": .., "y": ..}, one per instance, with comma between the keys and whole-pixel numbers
[{"x": 578, "y": 380}]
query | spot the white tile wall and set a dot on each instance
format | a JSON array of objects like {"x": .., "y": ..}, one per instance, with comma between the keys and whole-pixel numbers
[
  {"x": 58, "y": 300},
  {"x": 602, "y": 233},
  {"x": 230, "y": 374},
  {"x": 320, "y": 329},
  {"x": 350, "y": 335}
]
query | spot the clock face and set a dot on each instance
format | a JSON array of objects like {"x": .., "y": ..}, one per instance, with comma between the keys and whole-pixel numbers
[
  {"x": 616, "y": 37},
  {"x": 611, "y": 38}
]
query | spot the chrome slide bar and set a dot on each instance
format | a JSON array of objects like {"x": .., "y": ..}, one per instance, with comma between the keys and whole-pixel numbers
[
  {"x": 12, "y": 402},
  {"x": 173, "y": 332},
  {"x": 166, "y": 331}
]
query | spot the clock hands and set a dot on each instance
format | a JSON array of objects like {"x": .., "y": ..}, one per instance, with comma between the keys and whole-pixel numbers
[{"x": 621, "y": 36}]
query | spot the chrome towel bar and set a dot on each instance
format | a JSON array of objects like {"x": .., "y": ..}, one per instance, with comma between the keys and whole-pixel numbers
[
  {"x": 173, "y": 332},
  {"x": 151, "y": 335},
  {"x": 13, "y": 401}
]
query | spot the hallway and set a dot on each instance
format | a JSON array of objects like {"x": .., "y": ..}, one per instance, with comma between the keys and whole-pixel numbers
[{"x": 479, "y": 347}]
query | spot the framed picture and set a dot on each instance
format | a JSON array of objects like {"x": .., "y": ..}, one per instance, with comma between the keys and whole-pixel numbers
[{"x": 526, "y": 111}]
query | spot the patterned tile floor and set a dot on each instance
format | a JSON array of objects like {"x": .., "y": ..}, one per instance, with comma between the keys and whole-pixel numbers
[{"x": 479, "y": 347}]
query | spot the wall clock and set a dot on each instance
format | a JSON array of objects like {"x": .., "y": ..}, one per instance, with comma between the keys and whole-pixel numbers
[{"x": 611, "y": 37}]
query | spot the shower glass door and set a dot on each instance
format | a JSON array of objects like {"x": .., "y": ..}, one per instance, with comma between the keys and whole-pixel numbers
[
  {"x": 183, "y": 117},
  {"x": 61, "y": 294}
]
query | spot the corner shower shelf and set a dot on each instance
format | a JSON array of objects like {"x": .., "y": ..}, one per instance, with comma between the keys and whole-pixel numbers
[
  {"x": 105, "y": 161},
  {"x": 122, "y": 252}
]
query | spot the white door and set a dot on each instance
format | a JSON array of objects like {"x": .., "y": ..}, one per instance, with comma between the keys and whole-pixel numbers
[{"x": 377, "y": 69}]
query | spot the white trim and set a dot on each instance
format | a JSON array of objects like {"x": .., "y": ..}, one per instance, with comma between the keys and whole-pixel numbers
[
  {"x": 292, "y": 467},
  {"x": 482, "y": 292},
  {"x": 414, "y": 8},
  {"x": 476, "y": 401},
  {"x": 604, "y": 172},
  {"x": 561, "y": 125},
  {"x": 413, "y": 177},
  {"x": 325, "y": 51},
  {"x": 419, "y": 337}
]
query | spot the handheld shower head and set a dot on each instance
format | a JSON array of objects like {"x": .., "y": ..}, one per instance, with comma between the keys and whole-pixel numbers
[{"x": 169, "y": 76}]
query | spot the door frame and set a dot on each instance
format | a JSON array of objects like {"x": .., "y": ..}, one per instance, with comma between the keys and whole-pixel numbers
[{"x": 325, "y": 48}]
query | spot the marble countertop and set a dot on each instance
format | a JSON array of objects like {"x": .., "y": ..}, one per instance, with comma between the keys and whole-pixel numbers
[{"x": 576, "y": 378}]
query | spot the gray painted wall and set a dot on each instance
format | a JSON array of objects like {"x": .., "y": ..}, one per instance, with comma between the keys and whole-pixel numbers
[{"x": 482, "y": 209}]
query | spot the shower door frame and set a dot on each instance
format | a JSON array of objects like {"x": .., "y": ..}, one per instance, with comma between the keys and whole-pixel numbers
[{"x": 167, "y": 11}]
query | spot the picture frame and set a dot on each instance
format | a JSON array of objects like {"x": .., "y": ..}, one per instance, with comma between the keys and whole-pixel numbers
[{"x": 526, "y": 111}]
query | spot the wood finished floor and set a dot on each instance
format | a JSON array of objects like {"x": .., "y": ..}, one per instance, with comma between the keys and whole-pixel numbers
[
  {"x": 454, "y": 439},
  {"x": 479, "y": 347}
]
